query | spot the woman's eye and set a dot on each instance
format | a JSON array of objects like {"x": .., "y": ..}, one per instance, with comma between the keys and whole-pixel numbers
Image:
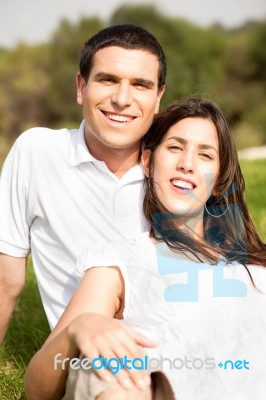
[
  {"x": 206, "y": 155},
  {"x": 175, "y": 147}
]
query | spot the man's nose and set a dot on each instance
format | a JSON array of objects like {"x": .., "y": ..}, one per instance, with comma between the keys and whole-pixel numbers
[{"x": 122, "y": 95}]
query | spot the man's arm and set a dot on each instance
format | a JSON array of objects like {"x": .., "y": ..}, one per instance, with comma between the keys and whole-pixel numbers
[{"x": 12, "y": 279}]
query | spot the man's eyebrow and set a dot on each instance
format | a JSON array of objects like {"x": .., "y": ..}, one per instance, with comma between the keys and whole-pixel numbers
[
  {"x": 105, "y": 75},
  {"x": 136, "y": 81},
  {"x": 144, "y": 82},
  {"x": 184, "y": 141}
]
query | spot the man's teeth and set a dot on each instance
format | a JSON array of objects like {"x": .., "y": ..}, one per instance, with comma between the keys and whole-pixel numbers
[
  {"x": 182, "y": 184},
  {"x": 118, "y": 118}
]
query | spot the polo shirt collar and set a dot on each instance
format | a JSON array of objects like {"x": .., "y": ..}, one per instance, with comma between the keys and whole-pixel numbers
[
  {"x": 79, "y": 151},
  {"x": 134, "y": 174}
]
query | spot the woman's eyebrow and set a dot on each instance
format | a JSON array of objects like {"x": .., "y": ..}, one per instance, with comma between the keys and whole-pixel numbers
[
  {"x": 208, "y": 147},
  {"x": 178, "y": 139}
]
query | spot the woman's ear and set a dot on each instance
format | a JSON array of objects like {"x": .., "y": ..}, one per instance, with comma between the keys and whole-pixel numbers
[
  {"x": 215, "y": 192},
  {"x": 145, "y": 159}
]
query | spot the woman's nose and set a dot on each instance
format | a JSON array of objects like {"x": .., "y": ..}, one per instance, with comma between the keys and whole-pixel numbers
[{"x": 186, "y": 161}]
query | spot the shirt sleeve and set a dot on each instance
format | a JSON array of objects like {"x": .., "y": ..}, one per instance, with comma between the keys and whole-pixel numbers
[
  {"x": 97, "y": 256},
  {"x": 14, "y": 229},
  {"x": 94, "y": 256}
]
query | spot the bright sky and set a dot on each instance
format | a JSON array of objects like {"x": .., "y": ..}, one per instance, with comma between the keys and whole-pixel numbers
[{"x": 33, "y": 21}]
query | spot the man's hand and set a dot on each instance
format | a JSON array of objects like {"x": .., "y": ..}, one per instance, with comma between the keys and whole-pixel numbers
[{"x": 12, "y": 279}]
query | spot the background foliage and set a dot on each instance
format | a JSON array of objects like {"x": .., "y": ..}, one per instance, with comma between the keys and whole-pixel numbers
[{"x": 228, "y": 66}]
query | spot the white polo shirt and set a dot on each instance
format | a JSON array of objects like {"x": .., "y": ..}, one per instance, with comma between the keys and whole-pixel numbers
[{"x": 55, "y": 199}]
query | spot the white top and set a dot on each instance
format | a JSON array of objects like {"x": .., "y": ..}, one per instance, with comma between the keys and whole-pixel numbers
[
  {"x": 55, "y": 198},
  {"x": 195, "y": 335}
]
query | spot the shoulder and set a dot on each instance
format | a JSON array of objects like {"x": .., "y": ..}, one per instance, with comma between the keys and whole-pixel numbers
[
  {"x": 105, "y": 277},
  {"x": 112, "y": 250},
  {"x": 119, "y": 254},
  {"x": 253, "y": 276},
  {"x": 258, "y": 274},
  {"x": 39, "y": 136},
  {"x": 37, "y": 145}
]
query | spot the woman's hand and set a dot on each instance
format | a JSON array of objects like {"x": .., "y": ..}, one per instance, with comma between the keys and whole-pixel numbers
[{"x": 97, "y": 335}]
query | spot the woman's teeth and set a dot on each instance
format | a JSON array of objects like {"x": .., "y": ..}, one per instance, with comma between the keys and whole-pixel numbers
[{"x": 182, "y": 184}]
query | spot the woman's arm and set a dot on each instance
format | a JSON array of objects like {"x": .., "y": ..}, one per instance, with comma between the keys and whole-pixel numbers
[
  {"x": 99, "y": 292},
  {"x": 86, "y": 325}
]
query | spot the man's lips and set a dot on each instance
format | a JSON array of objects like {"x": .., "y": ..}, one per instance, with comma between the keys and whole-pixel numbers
[
  {"x": 116, "y": 117},
  {"x": 184, "y": 184}
]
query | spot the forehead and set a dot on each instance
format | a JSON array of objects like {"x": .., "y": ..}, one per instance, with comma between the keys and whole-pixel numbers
[
  {"x": 194, "y": 129},
  {"x": 126, "y": 63}
]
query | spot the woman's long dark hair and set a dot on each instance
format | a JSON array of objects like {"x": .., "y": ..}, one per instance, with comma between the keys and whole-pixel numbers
[{"x": 231, "y": 233}]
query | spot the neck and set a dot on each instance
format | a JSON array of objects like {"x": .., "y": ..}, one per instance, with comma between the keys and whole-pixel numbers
[
  {"x": 196, "y": 226},
  {"x": 193, "y": 224},
  {"x": 118, "y": 160}
]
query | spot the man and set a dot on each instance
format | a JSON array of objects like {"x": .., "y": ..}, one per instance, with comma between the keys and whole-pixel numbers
[{"x": 61, "y": 190}]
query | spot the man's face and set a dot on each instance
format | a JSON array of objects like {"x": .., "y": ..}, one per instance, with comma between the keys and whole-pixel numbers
[{"x": 120, "y": 98}]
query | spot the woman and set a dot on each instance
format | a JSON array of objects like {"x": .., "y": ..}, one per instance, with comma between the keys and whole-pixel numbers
[{"x": 196, "y": 282}]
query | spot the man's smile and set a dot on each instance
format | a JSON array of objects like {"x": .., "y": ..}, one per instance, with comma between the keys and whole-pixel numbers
[{"x": 118, "y": 117}]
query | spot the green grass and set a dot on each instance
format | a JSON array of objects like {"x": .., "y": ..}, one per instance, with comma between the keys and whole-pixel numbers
[
  {"x": 255, "y": 177},
  {"x": 29, "y": 328}
]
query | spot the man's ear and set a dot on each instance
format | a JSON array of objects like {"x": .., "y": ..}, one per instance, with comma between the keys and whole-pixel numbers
[
  {"x": 159, "y": 96},
  {"x": 80, "y": 82},
  {"x": 145, "y": 159}
]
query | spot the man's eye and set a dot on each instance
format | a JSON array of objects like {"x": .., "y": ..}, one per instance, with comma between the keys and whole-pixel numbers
[
  {"x": 141, "y": 85},
  {"x": 107, "y": 80}
]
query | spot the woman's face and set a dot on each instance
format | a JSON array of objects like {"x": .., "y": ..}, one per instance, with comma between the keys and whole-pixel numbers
[{"x": 186, "y": 166}]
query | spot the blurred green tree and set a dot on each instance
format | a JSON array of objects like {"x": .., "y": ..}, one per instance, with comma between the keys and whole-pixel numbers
[
  {"x": 229, "y": 66},
  {"x": 64, "y": 51}
]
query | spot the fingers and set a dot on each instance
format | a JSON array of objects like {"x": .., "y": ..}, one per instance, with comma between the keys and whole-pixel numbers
[
  {"x": 121, "y": 346},
  {"x": 143, "y": 340},
  {"x": 126, "y": 361},
  {"x": 123, "y": 360}
]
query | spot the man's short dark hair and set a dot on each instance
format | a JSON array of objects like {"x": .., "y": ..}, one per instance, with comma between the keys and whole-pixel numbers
[{"x": 127, "y": 36}]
